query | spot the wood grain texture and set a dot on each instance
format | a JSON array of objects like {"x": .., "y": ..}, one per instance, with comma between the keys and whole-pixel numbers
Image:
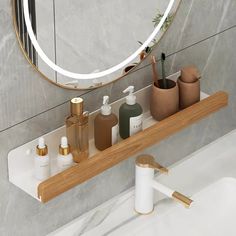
[{"x": 108, "y": 158}]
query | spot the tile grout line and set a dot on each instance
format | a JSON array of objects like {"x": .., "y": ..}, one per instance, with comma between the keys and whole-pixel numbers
[
  {"x": 169, "y": 55},
  {"x": 203, "y": 40},
  {"x": 38, "y": 114},
  {"x": 189, "y": 46}
]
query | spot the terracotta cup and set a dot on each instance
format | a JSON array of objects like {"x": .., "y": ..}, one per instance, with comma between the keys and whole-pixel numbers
[
  {"x": 164, "y": 102},
  {"x": 189, "y": 93}
]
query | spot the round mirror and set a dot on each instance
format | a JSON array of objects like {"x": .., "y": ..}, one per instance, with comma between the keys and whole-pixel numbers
[{"x": 85, "y": 44}]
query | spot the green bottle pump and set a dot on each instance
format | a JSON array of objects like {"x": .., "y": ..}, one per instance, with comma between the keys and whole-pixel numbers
[{"x": 130, "y": 115}]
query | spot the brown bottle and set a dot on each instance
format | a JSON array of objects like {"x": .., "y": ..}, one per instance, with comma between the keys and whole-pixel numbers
[
  {"x": 105, "y": 127},
  {"x": 77, "y": 130}
]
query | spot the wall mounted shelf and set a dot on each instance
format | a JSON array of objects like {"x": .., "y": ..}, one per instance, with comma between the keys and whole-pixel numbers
[{"x": 20, "y": 160}]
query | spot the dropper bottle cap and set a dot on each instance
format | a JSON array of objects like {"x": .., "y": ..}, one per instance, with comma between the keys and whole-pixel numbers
[
  {"x": 41, "y": 149},
  {"x": 131, "y": 98},
  {"x": 106, "y": 108},
  {"x": 64, "y": 148}
]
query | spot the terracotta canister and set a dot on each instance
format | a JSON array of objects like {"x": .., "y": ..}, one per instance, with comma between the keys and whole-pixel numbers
[
  {"x": 164, "y": 102},
  {"x": 189, "y": 93},
  {"x": 190, "y": 74},
  {"x": 189, "y": 87}
]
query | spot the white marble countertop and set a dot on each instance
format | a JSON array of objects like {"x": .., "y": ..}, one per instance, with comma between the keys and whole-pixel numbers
[{"x": 196, "y": 171}]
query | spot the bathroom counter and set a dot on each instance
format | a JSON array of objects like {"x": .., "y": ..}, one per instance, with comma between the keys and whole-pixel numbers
[{"x": 190, "y": 175}]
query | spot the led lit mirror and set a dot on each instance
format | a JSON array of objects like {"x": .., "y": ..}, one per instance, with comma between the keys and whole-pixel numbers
[{"x": 81, "y": 44}]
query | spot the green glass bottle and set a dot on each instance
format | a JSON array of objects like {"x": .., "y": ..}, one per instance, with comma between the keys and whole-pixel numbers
[{"x": 130, "y": 115}]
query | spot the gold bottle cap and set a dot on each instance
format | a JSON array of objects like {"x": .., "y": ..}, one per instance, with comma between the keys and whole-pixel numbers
[
  {"x": 64, "y": 151},
  {"x": 64, "y": 147},
  {"x": 42, "y": 151},
  {"x": 76, "y": 106}
]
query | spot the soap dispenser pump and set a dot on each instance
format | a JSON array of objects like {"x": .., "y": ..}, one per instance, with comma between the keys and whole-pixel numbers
[
  {"x": 41, "y": 161},
  {"x": 130, "y": 115},
  {"x": 105, "y": 127}
]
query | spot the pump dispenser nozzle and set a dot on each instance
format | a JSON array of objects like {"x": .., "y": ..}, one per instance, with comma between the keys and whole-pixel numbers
[
  {"x": 131, "y": 98},
  {"x": 106, "y": 108},
  {"x": 105, "y": 100}
]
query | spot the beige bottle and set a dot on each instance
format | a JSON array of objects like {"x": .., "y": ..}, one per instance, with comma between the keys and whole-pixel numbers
[
  {"x": 77, "y": 130},
  {"x": 105, "y": 127}
]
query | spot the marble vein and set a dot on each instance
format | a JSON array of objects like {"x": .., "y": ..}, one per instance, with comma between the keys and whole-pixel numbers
[
  {"x": 182, "y": 31},
  {"x": 100, "y": 216},
  {"x": 224, "y": 14}
]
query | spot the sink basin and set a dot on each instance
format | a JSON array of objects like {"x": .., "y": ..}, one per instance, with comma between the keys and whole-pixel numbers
[
  {"x": 213, "y": 213},
  {"x": 201, "y": 175}
]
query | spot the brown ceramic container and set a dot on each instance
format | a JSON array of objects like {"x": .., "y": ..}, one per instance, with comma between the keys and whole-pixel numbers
[
  {"x": 190, "y": 74},
  {"x": 164, "y": 102},
  {"x": 189, "y": 93}
]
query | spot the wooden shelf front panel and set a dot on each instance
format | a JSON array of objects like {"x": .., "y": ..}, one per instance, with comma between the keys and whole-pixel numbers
[{"x": 110, "y": 157}]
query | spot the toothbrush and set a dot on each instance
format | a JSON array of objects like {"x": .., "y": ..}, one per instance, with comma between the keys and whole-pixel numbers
[
  {"x": 163, "y": 57},
  {"x": 154, "y": 71}
]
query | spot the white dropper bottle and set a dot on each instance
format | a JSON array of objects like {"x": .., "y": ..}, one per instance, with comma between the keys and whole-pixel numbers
[
  {"x": 64, "y": 158},
  {"x": 41, "y": 161}
]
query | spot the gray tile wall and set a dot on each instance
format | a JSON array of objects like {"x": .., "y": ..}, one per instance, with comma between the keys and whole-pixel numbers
[{"x": 203, "y": 33}]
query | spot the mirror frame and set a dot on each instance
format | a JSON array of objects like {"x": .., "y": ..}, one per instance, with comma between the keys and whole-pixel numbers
[{"x": 78, "y": 88}]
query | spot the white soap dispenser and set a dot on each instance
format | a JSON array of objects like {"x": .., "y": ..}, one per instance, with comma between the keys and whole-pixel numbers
[
  {"x": 41, "y": 161},
  {"x": 64, "y": 158},
  {"x": 130, "y": 115}
]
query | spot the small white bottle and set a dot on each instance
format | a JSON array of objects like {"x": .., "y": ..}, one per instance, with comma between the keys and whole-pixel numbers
[
  {"x": 64, "y": 158},
  {"x": 41, "y": 161}
]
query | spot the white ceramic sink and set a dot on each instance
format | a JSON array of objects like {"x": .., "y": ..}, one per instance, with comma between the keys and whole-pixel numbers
[
  {"x": 200, "y": 175},
  {"x": 212, "y": 214}
]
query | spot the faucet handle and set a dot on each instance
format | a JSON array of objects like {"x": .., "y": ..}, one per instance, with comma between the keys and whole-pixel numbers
[{"x": 148, "y": 161}]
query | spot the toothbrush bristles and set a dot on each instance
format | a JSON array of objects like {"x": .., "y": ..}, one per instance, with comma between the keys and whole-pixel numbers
[{"x": 163, "y": 56}]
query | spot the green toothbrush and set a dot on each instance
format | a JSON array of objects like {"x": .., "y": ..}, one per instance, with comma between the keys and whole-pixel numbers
[{"x": 163, "y": 57}]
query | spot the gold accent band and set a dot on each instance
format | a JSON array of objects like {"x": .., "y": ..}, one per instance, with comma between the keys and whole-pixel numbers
[
  {"x": 182, "y": 199},
  {"x": 64, "y": 151},
  {"x": 42, "y": 151},
  {"x": 148, "y": 161}
]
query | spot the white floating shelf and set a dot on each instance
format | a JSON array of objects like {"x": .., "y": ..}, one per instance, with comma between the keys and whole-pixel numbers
[{"x": 21, "y": 159}]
